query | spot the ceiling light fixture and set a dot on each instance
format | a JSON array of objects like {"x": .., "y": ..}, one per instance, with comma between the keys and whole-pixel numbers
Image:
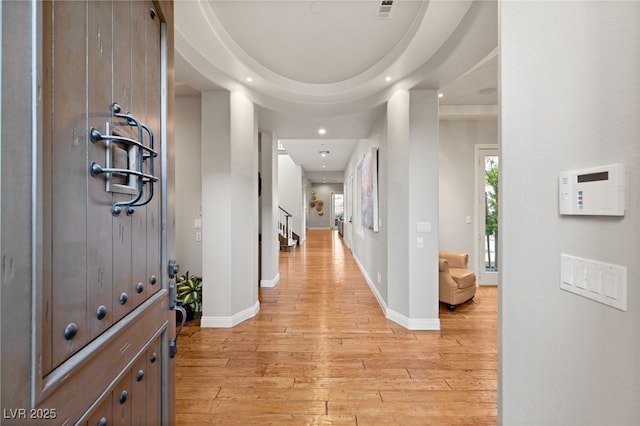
[
  {"x": 440, "y": 95},
  {"x": 249, "y": 79},
  {"x": 387, "y": 78},
  {"x": 322, "y": 131},
  {"x": 323, "y": 153}
]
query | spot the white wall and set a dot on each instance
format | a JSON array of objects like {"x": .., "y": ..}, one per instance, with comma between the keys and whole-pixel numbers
[
  {"x": 290, "y": 191},
  {"x": 407, "y": 288},
  {"x": 396, "y": 209},
  {"x": 270, "y": 245},
  {"x": 370, "y": 248},
  {"x": 244, "y": 199},
  {"x": 229, "y": 156},
  {"x": 323, "y": 192},
  {"x": 423, "y": 208},
  {"x": 570, "y": 78},
  {"x": 188, "y": 195},
  {"x": 458, "y": 139}
]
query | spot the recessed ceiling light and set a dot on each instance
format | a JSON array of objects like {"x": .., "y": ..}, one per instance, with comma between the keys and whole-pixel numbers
[
  {"x": 440, "y": 95},
  {"x": 387, "y": 78},
  {"x": 324, "y": 167},
  {"x": 323, "y": 153},
  {"x": 249, "y": 79},
  {"x": 322, "y": 131}
]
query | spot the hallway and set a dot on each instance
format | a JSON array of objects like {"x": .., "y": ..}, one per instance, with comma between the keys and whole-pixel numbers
[{"x": 320, "y": 351}]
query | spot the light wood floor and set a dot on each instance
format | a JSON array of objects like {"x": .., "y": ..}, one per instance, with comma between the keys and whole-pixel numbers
[{"x": 320, "y": 351}]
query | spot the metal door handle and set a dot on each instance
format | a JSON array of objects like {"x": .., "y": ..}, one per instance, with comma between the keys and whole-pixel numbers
[
  {"x": 137, "y": 152},
  {"x": 172, "y": 271}
]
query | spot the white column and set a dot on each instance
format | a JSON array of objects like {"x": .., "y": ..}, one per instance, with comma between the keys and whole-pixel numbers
[
  {"x": 412, "y": 255},
  {"x": 269, "y": 209},
  {"x": 423, "y": 209},
  {"x": 229, "y": 209}
]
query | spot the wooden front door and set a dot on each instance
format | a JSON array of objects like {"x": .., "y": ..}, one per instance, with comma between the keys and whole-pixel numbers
[{"x": 102, "y": 324}]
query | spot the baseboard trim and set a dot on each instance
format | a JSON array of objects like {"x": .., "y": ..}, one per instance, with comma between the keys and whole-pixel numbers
[
  {"x": 271, "y": 283},
  {"x": 390, "y": 314},
  {"x": 373, "y": 288},
  {"x": 232, "y": 321},
  {"x": 414, "y": 323}
]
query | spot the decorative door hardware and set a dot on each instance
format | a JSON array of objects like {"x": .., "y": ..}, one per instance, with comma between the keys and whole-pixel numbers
[
  {"x": 173, "y": 268},
  {"x": 125, "y": 159},
  {"x": 101, "y": 312},
  {"x": 70, "y": 331}
]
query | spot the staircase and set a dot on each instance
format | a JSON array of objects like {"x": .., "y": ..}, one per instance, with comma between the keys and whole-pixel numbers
[{"x": 288, "y": 239}]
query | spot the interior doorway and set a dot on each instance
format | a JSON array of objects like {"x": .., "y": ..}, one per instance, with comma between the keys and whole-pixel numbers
[
  {"x": 337, "y": 211},
  {"x": 348, "y": 221},
  {"x": 487, "y": 254}
]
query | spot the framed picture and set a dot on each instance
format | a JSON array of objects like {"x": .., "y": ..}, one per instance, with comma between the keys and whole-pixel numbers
[{"x": 368, "y": 173}]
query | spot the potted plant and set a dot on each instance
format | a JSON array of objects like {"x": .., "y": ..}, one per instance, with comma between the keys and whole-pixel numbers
[{"x": 189, "y": 293}]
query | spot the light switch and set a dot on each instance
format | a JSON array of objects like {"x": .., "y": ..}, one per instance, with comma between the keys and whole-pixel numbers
[
  {"x": 198, "y": 236},
  {"x": 468, "y": 219},
  {"x": 420, "y": 242},
  {"x": 567, "y": 271},
  {"x": 581, "y": 281},
  {"x": 595, "y": 279},
  {"x": 605, "y": 283},
  {"x": 197, "y": 223},
  {"x": 423, "y": 227},
  {"x": 610, "y": 287}
]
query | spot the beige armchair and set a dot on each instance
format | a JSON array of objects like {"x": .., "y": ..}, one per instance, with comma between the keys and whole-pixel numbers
[{"x": 457, "y": 282}]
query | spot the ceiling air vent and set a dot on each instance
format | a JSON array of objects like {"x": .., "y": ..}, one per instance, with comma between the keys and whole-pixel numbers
[{"x": 384, "y": 9}]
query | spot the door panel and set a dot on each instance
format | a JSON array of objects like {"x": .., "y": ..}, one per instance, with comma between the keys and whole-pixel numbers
[
  {"x": 99, "y": 234},
  {"x": 122, "y": 224},
  {"x": 104, "y": 300},
  {"x": 154, "y": 231},
  {"x": 140, "y": 377},
  {"x": 104, "y": 414},
  {"x": 68, "y": 182},
  {"x": 122, "y": 401},
  {"x": 154, "y": 383},
  {"x": 138, "y": 22}
]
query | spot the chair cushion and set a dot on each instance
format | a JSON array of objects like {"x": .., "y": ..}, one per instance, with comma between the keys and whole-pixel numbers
[{"x": 463, "y": 277}]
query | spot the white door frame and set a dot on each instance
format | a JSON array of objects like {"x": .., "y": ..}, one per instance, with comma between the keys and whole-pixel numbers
[
  {"x": 484, "y": 278},
  {"x": 348, "y": 214}
]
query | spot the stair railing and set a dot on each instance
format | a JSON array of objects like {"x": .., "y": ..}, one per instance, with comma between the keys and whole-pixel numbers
[{"x": 284, "y": 224}]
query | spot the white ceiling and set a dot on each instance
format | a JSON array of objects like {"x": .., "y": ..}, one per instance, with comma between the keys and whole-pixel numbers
[
  {"x": 325, "y": 63},
  {"x": 317, "y": 42}
]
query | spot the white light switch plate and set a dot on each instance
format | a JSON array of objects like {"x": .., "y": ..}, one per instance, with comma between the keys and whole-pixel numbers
[
  {"x": 423, "y": 227},
  {"x": 603, "y": 282}
]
